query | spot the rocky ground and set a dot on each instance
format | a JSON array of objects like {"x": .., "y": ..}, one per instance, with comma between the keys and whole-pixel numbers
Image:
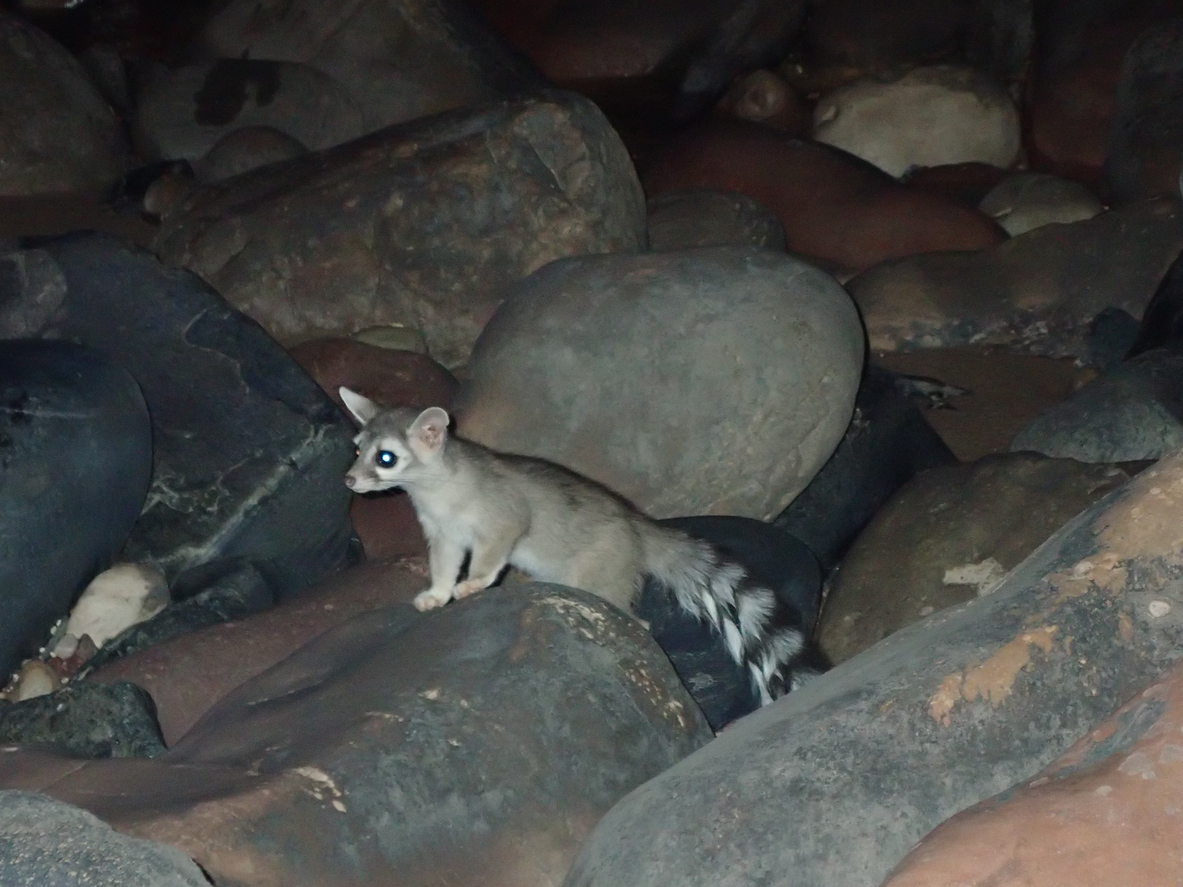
[{"x": 881, "y": 299}]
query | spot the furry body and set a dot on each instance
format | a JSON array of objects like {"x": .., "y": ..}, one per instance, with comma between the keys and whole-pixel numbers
[{"x": 559, "y": 527}]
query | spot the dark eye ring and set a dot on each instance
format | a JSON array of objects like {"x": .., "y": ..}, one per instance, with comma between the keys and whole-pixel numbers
[{"x": 385, "y": 458}]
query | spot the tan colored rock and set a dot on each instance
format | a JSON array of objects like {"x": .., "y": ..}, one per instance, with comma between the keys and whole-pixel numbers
[
  {"x": 1106, "y": 813},
  {"x": 1036, "y": 293},
  {"x": 424, "y": 225},
  {"x": 948, "y": 536},
  {"x": 1029, "y": 200},
  {"x": 930, "y": 116}
]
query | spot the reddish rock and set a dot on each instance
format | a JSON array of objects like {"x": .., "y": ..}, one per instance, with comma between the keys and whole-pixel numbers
[
  {"x": 476, "y": 745},
  {"x": 835, "y": 208},
  {"x": 1105, "y": 813},
  {"x": 387, "y": 526},
  {"x": 1072, "y": 95},
  {"x": 967, "y": 183},
  {"x": 188, "y": 674},
  {"x": 393, "y": 378}
]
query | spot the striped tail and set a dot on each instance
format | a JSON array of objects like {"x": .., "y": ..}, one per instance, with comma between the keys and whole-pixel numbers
[{"x": 761, "y": 633}]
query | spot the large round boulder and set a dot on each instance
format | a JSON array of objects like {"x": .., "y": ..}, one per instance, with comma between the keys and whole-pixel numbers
[
  {"x": 708, "y": 381},
  {"x": 56, "y": 131}
]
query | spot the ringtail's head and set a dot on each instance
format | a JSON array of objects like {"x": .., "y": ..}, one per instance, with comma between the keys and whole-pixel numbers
[{"x": 395, "y": 447}]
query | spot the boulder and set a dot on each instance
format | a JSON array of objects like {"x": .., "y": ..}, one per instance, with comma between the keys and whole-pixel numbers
[
  {"x": 56, "y": 131},
  {"x": 950, "y": 535},
  {"x": 1028, "y": 200},
  {"x": 1037, "y": 293},
  {"x": 649, "y": 373},
  {"x": 185, "y": 113},
  {"x": 967, "y": 183},
  {"x": 1132, "y": 412},
  {"x": 86, "y": 720},
  {"x": 198, "y": 650},
  {"x": 478, "y": 743},
  {"x": 45, "y": 843},
  {"x": 248, "y": 453},
  {"x": 927, "y": 117},
  {"x": 765, "y": 97},
  {"x": 1104, "y": 813},
  {"x": 887, "y": 442},
  {"x": 1162, "y": 321},
  {"x": 326, "y": 73},
  {"x": 75, "y": 463},
  {"x": 245, "y": 149},
  {"x": 836, "y": 782},
  {"x": 686, "y": 219},
  {"x": 835, "y": 208},
  {"x": 1143, "y": 148},
  {"x": 541, "y": 177}
]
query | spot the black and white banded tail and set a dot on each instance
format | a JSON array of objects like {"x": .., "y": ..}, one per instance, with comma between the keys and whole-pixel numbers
[{"x": 761, "y": 633}]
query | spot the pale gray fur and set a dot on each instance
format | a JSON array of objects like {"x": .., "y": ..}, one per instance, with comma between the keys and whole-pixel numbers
[{"x": 556, "y": 526}]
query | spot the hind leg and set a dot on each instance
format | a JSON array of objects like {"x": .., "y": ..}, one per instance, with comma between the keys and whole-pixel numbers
[{"x": 616, "y": 580}]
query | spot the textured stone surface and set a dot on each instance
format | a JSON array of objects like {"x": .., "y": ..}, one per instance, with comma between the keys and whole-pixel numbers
[
  {"x": 929, "y": 116},
  {"x": 877, "y": 752},
  {"x": 1105, "y": 813},
  {"x": 1143, "y": 157},
  {"x": 75, "y": 463},
  {"x": 1029, "y": 200},
  {"x": 887, "y": 442},
  {"x": 651, "y": 373},
  {"x": 427, "y": 224},
  {"x": 189, "y": 672},
  {"x": 478, "y": 743},
  {"x": 56, "y": 131},
  {"x": 686, "y": 219},
  {"x": 362, "y": 66},
  {"x": 1037, "y": 293},
  {"x": 247, "y": 451},
  {"x": 835, "y": 208},
  {"x": 86, "y": 720},
  {"x": 947, "y": 537},
  {"x": 1134, "y": 411},
  {"x": 45, "y": 843}
]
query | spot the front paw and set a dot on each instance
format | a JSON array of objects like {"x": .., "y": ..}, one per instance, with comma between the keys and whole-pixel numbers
[
  {"x": 464, "y": 589},
  {"x": 430, "y": 599}
]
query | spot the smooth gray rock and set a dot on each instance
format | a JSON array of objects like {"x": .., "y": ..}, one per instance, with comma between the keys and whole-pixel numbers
[
  {"x": 424, "y": 225},
  {"x": 56, "y": 131},
  {"x": 831, "y": 785},
  {"x": 711, "y": 381},
  {"x": 1132, "y": 412},
  {"x": 47, "y": 843},
  {"x": 248, "y": 452},
  {"x": 75, "y": 464}
]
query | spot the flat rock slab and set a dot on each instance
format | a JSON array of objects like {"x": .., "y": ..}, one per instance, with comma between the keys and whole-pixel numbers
[
  {"x": 45, "y": 843},
  {"x": 477, "y": 744},
  {"x": 652, "y": 373},
  {"x": 833, "y": 784},
  {"x": 248, "y": 452},
  {"x": 1037, "y": 293},
  {"x": 425, "y": 224},
  {"x": 75, "y": 463}
]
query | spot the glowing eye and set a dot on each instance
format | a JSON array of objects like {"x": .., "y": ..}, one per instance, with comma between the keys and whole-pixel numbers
[
  {"x": 356, "y": 452},
  {"x": 385, "y": 458}
]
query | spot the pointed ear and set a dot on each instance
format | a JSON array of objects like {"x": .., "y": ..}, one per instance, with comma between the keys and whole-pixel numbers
[
  {"x": 429, "y": 431},
  {"x": 363, "y": 408}
]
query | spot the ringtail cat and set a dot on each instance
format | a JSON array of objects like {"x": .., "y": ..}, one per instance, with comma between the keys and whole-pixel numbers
[{"x": 560, "y": 527}]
